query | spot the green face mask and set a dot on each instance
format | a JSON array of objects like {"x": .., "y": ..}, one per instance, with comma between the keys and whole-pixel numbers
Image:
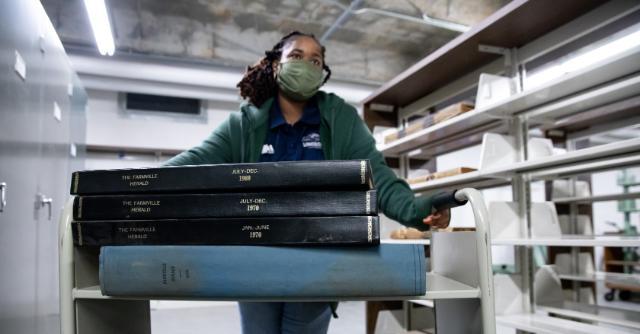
[{"x": 299, "y": 79}]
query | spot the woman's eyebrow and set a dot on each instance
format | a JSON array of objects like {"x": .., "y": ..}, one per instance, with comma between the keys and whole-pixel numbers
[{"x": 314, "y": 54}]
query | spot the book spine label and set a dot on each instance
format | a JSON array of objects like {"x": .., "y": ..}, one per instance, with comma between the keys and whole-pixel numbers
[
  {"x": 273, "y": 204},
  {"x": 345, "y": 230},
  {"x": 303, "y": 175},
  {"x": 259, "y": 272}
]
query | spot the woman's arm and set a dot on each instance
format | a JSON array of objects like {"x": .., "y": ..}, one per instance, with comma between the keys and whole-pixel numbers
[{"x": 395, "y": 198}]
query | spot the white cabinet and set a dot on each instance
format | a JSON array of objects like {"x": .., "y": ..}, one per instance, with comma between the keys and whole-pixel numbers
[{"x": 36, "y": 113}]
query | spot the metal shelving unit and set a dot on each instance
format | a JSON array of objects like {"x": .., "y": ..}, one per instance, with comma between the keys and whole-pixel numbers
[
  {"x": 602, "y": 94},
  {"x": 563, "y": 87}
]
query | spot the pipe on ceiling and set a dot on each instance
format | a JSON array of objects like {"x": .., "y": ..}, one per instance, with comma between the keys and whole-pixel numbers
[{"x": 351, "y": 10}]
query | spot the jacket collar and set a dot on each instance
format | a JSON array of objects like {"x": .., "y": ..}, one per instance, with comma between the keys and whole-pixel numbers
[{"x": 310, "y": 114}]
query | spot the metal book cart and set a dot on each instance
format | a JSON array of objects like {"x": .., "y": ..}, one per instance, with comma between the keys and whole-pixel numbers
[{"x": 459, "y": 283}]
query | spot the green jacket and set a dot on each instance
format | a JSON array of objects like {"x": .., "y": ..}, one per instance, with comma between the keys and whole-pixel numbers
[{"x": 343, "y": 135}]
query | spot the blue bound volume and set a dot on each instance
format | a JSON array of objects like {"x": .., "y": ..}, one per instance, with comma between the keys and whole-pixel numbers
[{"x": 256, "y": 272}]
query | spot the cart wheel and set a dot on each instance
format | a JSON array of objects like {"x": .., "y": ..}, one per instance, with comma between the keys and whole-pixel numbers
[
  {"x": 609, "y": 296},
  {"x": 624, "y": 295}
]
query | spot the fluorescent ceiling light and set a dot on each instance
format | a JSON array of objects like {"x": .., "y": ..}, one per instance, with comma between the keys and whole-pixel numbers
[
  {"x": 100, "y": 25},
  {"x": 605, "y": 51}
]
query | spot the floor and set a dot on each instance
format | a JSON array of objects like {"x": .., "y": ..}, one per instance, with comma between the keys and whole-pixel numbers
[{"x": 224, "y": 318}]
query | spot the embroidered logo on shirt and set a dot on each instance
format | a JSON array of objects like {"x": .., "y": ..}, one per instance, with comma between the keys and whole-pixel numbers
[
  {"x": 311, "y": 140},
  {"x": 268, "y": 149}
]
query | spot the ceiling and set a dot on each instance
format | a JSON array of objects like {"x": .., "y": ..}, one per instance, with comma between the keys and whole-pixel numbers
[{"x": 367, "y": 46}]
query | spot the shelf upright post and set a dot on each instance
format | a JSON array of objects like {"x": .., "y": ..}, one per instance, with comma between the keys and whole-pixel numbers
[
  {"x": 404, "y": 166},
  {"x": 573, "y": 223},
  {"x": 521, "y": 192}
]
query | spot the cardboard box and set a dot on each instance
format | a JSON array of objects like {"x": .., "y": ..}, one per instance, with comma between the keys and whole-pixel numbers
[
  {"x": 429, "y": 120},
  {"x": 412, "y": 127},
  {"x": 452, "y": 111}
]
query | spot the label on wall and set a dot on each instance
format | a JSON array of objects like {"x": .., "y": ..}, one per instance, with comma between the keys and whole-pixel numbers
[
  {"x": 57, "y": 113},
  {"x": 20, "y": 66}
]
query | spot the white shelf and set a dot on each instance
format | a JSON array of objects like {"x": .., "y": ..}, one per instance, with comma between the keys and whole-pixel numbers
[
  {"x": 597, "y": 198},
  {"x": 406, "y": 241},
  {"x": 610, "y": 69},
  {"x": 92, "y": 292},
  {"x": 617, "y": 278},
  {"x": 423, "y": 302},
  {"x": 440, "y": 131},
  {"x": 597, "y": 313},
  {"x": 473, "y": 179},
  {"x": 592, "y": 98},
  {"x": 543, "y": 324},
  {"x": 601, "y": 164},
  {"x": 438, "y": 287},
  {"x": 573, "y": 241},
  {"x": 569, "y": 158},
  {"x": 580, "y": 161}
]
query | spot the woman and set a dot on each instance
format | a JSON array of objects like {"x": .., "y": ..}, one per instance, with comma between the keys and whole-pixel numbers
[{"x": 287, "y": 117}]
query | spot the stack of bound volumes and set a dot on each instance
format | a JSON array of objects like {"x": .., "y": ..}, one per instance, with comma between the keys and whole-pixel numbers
[{"x": 235, "y": 231}]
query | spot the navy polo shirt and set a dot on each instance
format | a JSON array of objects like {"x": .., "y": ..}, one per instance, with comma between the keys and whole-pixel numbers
[{"x": 300, "y": 141}]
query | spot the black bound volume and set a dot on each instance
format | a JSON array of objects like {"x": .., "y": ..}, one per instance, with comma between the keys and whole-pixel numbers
[
  {"x": 345, "y": 230},
  {"x": 265, "y": 204},
  {"x": 301, "y": 175}
]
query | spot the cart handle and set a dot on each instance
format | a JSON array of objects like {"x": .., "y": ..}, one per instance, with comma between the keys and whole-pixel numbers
[
  {"x": 447, "y": 200},
  {"x": 483, "y": 244}
]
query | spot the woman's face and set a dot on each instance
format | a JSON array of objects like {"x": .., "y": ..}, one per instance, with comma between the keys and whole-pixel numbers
[{"x": 303, "y": 47}]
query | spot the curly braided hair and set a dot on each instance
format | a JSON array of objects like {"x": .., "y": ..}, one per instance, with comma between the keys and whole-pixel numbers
[{"x": 258, "y": 83}]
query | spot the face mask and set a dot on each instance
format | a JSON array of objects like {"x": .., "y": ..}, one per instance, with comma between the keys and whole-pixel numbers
[{"x": 299, "y": 79}]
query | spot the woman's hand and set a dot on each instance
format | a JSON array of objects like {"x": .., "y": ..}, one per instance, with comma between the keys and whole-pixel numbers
[{"x": 438, "y": 219}]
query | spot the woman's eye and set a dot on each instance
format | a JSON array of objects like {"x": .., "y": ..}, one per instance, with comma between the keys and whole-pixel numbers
[
  {"x": 296, "y": 56},
  {"x": 316, "y": 62}
]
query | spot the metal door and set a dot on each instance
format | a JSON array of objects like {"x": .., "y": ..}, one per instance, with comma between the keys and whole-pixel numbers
[
  {"x": 53, "y": 190},
  {"x": 19, "y": 164}
]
